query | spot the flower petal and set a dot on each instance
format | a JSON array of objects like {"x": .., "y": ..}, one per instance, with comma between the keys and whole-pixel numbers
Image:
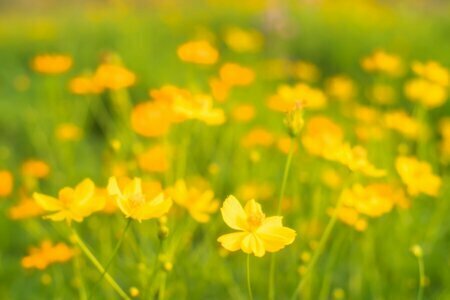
[
  {"x": 232, "y": 241},
  {"x": 47, "y": 202},
  {"x": 274, "y": 236},
  {"x": 113, "y": 187},
  {"x": 233, "y": 214},
  {"x": 253, "y": 244}
]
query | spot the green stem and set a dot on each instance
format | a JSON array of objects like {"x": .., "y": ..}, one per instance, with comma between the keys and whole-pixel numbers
[
  {"x": 99, "y": 267},
  {"x": 249, "y": 283},
  {"x": 421, "y": 277},
  {"x": 287, "y": 166},
  {"x": 116, "y": 249},
  {"x": 320, "y": 248}
]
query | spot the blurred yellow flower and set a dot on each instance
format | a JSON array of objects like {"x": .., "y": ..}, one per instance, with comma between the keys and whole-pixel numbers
[
  {"x": 305, "y": 71},
  {"x": 72, "y": 203},
  {"x": 135, "y": 201},
  {"x": 288, "y": 96},
  {"x": 47, "y": 254},
  {"x": 114, "y": 77},
  {"x": 26, "y": 208},
  {"x": 35, "y": 168},
  {"x": 401, "y": 122},
  {"x": 429, "y": 94},
  {"x": 51, "y": 63},
  {"x": 199, "y": 107},
  {"x": 256, "y": 233},
  {"x": 383, "y": 62},
  {"x": 219, "y": 89},
  {"x": 235, "y": 75},
  {"x": 6, "y": 183},
  {"x": 199, "y": 202},
  {"x": 258, "y": 137},
  {"x": 444, "y": 147},
  {"x": 85, "y": 85},
  {"x": 417, "y": 176},
  {"x": 322, "y": 136},
  {"x": 383, "y": 94},
  {"x": 198, "y": 52},
  {"x": 154, "y": 159},
  {"x": 243, "y": 112},
  {"x": 68, "y": 132},
  {"x": 432, "y": 71},
  {"x": 341, "y": 88},
  {"x": 151, "y": 119},
  {"x": 252, "y": 190},
  {"x": 243, "y": 40}
]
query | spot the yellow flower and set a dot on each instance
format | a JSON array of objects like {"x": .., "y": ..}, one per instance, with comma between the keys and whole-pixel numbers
[
  {"x": 85, "y": 85},
  {"x": 35, "y": 168},
  {"x": 200, "y": 203},
  {"x": 256, "y": 233},
  {"x": 233, "y": 74},
  {"x": 72, "y": 203},
  {"x": 26, "y": 208},
  {"x": 151, "y": 119},
  {"x": 154, "y": 159},
  {"x": 432, "y": 71},
  {"x": 51, "y": 64},
  {"x": 243, "y": 112},
  {"x": 321, "y": 136},
  {"x": 135, "y": 201},
  {"x": 417, "y": 176},
  {"x": 258, "y": 137},
  {"x": 287, "y": 97},
  {"x": 6, "y": 183},
  {"x": 341, "y": 88},
  {"x": 426, "y": 92},
  {"x": 68, "y": 132},
  {"x": 199, "y": 107},
  {"x": 114, "y": 77},
  {"x": 198, "y": 52},
  {"x": 47, "y": 254},
  {"x": 306, "y": 71},
  {"x": 401, "y": 122},
  {"x": 243, "y": 40},
  {"x": 383, "y": 62},
  {"x": 219, "y": 89}
]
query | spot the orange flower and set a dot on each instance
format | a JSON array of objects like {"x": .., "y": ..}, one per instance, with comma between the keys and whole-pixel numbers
[
  {"x": 68, "y": 132},
  {"x": 47, "y": 254},
  {"x": 322, "y": 136},
  {"x": 243, "y": 112},
  {"x": 198, "y": 52},
  {"x": 154, "y": 159},
  {"x": 26, "y": 208},
  {"x": 6, "y": 183},
  {"x": 151, "y": 119},
  {"x": 85, "y": 85},
  {"x": 219, "y": 89},
  {"x": 258, "y": 137},
  {"x": 51, "y": 64},
  {"x": 234, "y": 74},
  {"x": 114, "y": 77},
  {"x": 35, "y": 168}
]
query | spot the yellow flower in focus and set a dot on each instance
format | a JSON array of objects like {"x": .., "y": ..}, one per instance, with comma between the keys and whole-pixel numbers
[
  {"x": 114, "y": 77},
  {"x": 198, "y": 52},
  {"x": 383, "y": 62},
  {"x": 135, "y": 201},
  {"x": 287, "y": 97},
  {"x": 243, "y": 40},
  {"x": 417, "y": 176},
  {"x": 199, "y": 202},
  {"x": 322, "y": 136},
  {"x": 235, "y": 75},
  {"x": 154, "y": 159},
  {"x": 72, "y": 203},
  {"x": 68, "y": 132},
  {"x": 341, "y": 88},
  {"x": 6, "y": 183},
  {"x": 426, "y": 92},
  {"x": 85, "y": 85},
  {"x": 256, "y": 233},
  {"x": 35, "y": 168},
  {"x": 243, "y": 112},
  {"x": 432, "y": 71},
  {"x": 305, "y": 71},
  {"x": 51, "y": 64},
  {"x": 47, "y": 254}
]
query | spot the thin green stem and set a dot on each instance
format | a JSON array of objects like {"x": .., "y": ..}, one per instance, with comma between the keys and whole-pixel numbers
[
  {"x": 249, "y": 283},
  {"x": 116, "y": 249},
  {"x": 99, "y": 267},
  {"x": 280, "y": 201},
  {"x": 320, "y": 248},
  {"x": 421, "y": 277}
]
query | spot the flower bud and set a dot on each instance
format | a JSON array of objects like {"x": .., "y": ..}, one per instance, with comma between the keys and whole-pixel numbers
[{"x": 294, "y": 120}]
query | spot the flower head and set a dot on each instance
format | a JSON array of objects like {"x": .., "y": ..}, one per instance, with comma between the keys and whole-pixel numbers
[
  {"x": 257, "y": 233},
  {"x": 137, "y": 201},
  {"x": 6, "y": 183},
  {"x": 51, "y": 64},
  {"x": 198, "y": 52},
  {"x": 72, "y": 203},
  {"x": 47, "y": 254}
]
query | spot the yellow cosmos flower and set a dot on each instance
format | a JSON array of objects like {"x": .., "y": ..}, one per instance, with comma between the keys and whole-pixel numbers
[
  {"x": 243, "y": 40},
  {"x": 114, "y": 77},
  {"x": 306, "y": 71},
  {"x": 235, "y": 75},
  {"x": 6, "y": 183},
  {"x": 401, "y": 122},
  {"x": 341, "y": 88},
  {"x": 432, "y": 71},
  {"x": 287, "y": 97},
  {"x": 198, "y": 52},
  {"x": 35, "y": 168},
  {"x": 72, "y": 203},
  {"x": 137, "y": 202},
  {"x": 383, "y": 62},
  {"x": 256, "y": 233},
  {"x": 47, "y": 254},
  {"x": 51, "y": 64},
  {"x": 199, "y": 203},
  {"x": 85, "y": 85},
  {"x": 418, "y": 176}
]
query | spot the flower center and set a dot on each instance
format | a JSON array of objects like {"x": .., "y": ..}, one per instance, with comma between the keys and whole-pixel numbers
[
  {"x": 137, "y": 200},
  {"x": 255, "y": 220}
]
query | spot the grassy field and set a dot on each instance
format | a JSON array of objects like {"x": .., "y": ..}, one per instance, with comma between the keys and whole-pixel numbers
[{"x": 128, "y": 134}]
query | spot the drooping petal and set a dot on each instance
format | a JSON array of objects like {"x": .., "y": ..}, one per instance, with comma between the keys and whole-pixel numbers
[
  {"x": 233, "y": 214},
  {"x": 273, "y": 235},
  {"x": 232, "y": 241},
  {"x": 253, "y": 244},
  {"x": 47, "y": 202}
]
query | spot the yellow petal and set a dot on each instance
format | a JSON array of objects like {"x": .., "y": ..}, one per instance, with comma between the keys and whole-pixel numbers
[
  {"x": 113, "y": 187},
  {"x": 84, "y": 191},
  {"x": 233, "y": 214},
  {"x": 232, "y": 241},
  {"x": 155, "y": 208},
  {"x": 47, "y": 202},
  {"x": 274, "y": 236},
  {"x": 253, "y": 244},
  {"x": 133, "y": 188}
]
